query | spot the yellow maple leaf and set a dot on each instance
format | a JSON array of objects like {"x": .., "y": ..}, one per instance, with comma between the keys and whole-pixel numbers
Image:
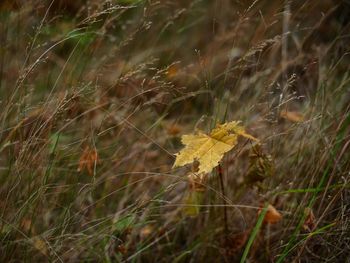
[{"x": 208, "y": 150}]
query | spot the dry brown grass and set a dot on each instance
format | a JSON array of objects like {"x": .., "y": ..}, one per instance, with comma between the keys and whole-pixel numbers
[{"x": 95, "y": 96}]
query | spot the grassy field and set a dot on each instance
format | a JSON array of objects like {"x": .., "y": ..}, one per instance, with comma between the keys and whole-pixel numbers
[{"x": 96, "y": 95}]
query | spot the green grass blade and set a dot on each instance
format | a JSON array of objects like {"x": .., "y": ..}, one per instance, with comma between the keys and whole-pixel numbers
[{"x": 254, "y": 233}]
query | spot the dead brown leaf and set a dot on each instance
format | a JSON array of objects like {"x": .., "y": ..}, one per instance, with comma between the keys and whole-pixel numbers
[
  {"x": 272, "y": 215},
  {"x": 237, "y": 241},
  {"x": 40, "y": 244},
  {"x": 88, "y": 160},
  {"x": 197, "y": 182},
  {"x": 146, "y": 231},
  {"x": 172, "y": 71},
  {"x": 292, "y": 116},
  {"x": 309, "y": 223},
  {"x": 173, "y": 130}
]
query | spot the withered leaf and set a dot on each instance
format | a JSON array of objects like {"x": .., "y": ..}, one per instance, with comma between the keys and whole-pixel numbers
[
  {"x": 208, "y": 150},
  {"x": 272, "y": 215}
]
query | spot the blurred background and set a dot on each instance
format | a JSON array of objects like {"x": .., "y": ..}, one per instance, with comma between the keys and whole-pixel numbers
[{"x": 95, "y": 96}]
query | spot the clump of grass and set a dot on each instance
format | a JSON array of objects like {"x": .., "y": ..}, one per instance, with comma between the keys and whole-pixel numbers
[{"x": 95, "y": 97}]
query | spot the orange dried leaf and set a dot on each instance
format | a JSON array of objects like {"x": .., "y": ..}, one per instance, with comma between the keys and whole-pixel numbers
[
  {"x": 146, "y": 231},
  {"x": 272, "y": 215},
  {"x": 173, "y": 130},
  {"x": 26, "y": 224},
  {"x": 88, "y": 160},
  {"x": 172, "y": 71},
  {"x": 292, "y": 116}
]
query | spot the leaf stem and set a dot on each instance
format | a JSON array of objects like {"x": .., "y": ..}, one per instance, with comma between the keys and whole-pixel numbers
[{"x": 222, "y": 186}]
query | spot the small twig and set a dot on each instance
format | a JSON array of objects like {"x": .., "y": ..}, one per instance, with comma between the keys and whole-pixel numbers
[{"x": 219, "y": 170}]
